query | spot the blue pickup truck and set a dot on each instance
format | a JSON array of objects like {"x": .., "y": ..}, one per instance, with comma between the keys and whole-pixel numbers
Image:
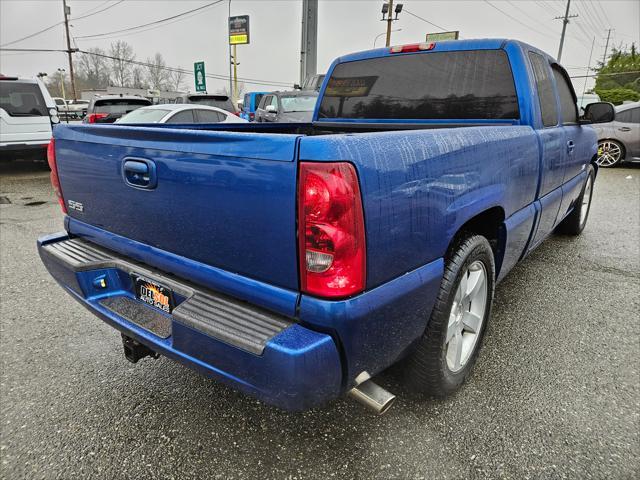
[{"x": 296, "y": 261}]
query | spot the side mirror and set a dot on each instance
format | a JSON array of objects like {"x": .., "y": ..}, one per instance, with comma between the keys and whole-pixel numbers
[
  {"x": 598, "y": 112},
  {"x": 271, "y": 109},
  {"x": 297, "y": 87}
]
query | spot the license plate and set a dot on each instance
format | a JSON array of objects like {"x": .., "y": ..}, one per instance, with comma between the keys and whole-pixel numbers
[{"x": 154, "y": 294}]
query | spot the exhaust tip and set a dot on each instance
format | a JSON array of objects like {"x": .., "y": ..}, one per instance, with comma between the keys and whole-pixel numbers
[{"x": 373, "y": 396}]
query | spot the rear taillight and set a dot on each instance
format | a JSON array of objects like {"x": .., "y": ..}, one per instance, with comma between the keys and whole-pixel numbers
[
  {"x": 252, "y": 116},
  {"x": 55, "y": 180},
  {"x": 330, "y": 230},
  {"x": 94, "y": 117}
]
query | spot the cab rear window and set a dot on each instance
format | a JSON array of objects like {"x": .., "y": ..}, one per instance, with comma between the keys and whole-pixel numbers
[
  {"x": 437, "y": 85},
  {"x": 22, "y": 99}
]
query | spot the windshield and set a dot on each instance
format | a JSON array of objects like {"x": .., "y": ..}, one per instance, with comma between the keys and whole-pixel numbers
[
  {"x": 22, "y": 99},
  {"x": 144, "y": 115},
  {"x": 298, "y": 103},
  {"x": 119, "y": 106}
]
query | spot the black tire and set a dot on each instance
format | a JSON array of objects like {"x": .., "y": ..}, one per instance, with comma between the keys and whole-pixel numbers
[
  {"x": 574, "y": 223},
  {"x": 426, "y": 368}
]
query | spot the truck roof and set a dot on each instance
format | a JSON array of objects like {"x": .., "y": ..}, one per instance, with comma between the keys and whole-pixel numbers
[{"x": 443, "y": 46}]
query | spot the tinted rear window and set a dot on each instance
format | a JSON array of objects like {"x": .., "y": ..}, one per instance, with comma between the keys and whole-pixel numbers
[
  {"x": 22, "y": 99},
  {"x": 437, "y": 85},
  {"x": 119, "y": 106},
  {"x": 220, "y": 102}
]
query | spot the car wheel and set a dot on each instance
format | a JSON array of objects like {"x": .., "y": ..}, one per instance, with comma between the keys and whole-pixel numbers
[
  {"x": 447, "y": 351},
  {"x": 610, "y": 153},
  {"x": 574, "y": 223}
]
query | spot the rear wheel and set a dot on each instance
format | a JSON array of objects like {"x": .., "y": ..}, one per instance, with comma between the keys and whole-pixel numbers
[
  {"x": 575, "y": 222},
  {"x": 449, "y": 347},
  {"x": 610, "y": 153}
]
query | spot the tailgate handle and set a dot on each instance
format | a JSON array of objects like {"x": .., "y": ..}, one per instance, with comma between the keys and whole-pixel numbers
[{"x": 139, "y": 173}]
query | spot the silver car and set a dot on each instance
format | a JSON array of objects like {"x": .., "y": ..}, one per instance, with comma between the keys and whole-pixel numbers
[{"x": 620, "y": 140}]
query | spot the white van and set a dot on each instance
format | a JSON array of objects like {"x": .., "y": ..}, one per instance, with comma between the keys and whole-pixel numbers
[{"x": 27, "y": 113}]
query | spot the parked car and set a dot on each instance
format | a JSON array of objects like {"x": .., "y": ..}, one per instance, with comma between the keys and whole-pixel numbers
[
  {"x": 75, "y": 109},
  {"x": 78, "y": 107},
  {"x": 619, "y": 140},
  {"x": 219, "y": 101},
  {"x": 295, "y": 262},
  {"x": 108, "y": 108},
  {"x": 287, "y": 107},
  {"x": 250, "y": 104},
  {"x": 27, "y": 113},
  {"x": 586, "y": 99},
  {"x": 181, "y": 113}
]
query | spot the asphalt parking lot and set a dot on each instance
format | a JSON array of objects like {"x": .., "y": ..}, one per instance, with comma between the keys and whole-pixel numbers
[{"x": 555, "y": 393}]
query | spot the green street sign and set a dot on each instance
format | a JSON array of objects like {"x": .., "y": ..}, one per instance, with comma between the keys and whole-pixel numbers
[
  {"x": 198, "y": 74},
  {"x": 442, "y": 36}
]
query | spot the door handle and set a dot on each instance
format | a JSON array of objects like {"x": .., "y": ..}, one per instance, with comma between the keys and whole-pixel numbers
[
  {"x": 570, "y": 146},
  {"x": 139, "y": 173},
  {"x": 624, "y": 129}
]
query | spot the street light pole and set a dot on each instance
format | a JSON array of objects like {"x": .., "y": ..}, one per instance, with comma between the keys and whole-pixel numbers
[
  {"x": 61, "y": 71},
  {"x": 383, "y": 33},
  {"x": 389, "y": 20}
]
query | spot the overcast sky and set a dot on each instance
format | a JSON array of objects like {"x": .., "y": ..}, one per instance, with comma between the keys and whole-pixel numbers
[{"x": 273, "y": 55}]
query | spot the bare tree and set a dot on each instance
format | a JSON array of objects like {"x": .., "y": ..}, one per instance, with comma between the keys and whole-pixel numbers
[
  {"x": 225, "y": 90},
  {"x": 92, "y": 68},
  {"x": 121, "y": 67},
  {"x": 176, "y": 80},
  {"x": 138, "y": 77},
  {"x": 157, "y": 73}
]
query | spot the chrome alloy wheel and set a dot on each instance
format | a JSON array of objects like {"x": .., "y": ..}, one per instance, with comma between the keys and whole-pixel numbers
[
  {"x": 466, "y": 316},
  {"x": 609, "y": 153},
  {"x": 586, "y": 200}
]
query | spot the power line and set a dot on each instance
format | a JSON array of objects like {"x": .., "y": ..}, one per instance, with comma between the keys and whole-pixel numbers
[
  {"x": 189, "y": 72},
  {"x": 99, "y": 11},
  {"x": 514, "y": 18},
  {"x": 605, "y": 74},
  {"x": 31, "y": 50},
  {"x": 59, "y": 23},
  {"x": 425, "y": 20},
  {"x": 162, "y": 20},
  {"x": 32, "y": 34},
  {"x": 537, "y": 21},
  {"x": 604, "y": 12}
]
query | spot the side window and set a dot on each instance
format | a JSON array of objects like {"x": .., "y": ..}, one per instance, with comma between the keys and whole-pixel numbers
[
  {"x": 265, "y": 101},
  {"x": 209, "y": 116},
  {"x": 629, "y": 116},
  {"x": 186, "y": 116},
  {"x": 567, "y": 97},
  {"x": 544, "y": 86}
]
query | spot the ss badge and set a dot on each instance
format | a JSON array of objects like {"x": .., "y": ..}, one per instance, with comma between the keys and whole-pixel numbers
[{"x": 77, "y": 206}]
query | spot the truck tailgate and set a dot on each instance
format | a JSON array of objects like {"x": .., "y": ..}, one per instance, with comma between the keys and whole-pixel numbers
[{"x": 221, "y": 198}]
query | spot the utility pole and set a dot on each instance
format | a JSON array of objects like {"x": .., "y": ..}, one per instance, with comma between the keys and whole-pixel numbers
[
  {"x": 72, "y": 77},
  {"x": 565, "y": 21},
  {"x": 586, "y": 77},
  {"x": 231, "y": 58},
  {"x": 235, "y": 76},
  {"x": 606, "y": 49},
  {"x": 309, "y": 40}
]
